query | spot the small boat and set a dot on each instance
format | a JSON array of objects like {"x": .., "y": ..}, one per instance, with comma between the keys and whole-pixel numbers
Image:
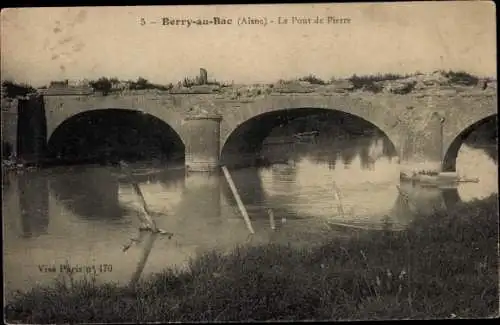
[
  {"x": 306, "y": 136},
  {"x": 439, "y": 179}
]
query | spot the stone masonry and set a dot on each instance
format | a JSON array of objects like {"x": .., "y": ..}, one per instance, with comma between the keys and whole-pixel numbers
[{"x": 422, "y": 115}]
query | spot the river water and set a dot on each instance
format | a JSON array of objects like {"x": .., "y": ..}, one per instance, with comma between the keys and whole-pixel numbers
[{"x": 86, "y": 215}]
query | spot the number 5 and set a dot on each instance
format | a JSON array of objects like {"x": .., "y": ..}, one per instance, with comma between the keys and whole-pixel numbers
[{"x": 143, "y": 22}]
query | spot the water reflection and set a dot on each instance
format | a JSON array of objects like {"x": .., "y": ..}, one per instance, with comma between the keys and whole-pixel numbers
[
  {"x": 421, "y": 200},
  {"x": 88, "y": 192},
  {"x": 473, "y": 162},
  {"x": 34, "y": 204},
  {"x": 205, "y": 191},
  {"x": 311, "y": 180},
  {"x": 93, "y": 211},
  {"x": 330, "y": 149},
  {"x": 162, "y": 189},
  {"x": 249, "y": 186}
]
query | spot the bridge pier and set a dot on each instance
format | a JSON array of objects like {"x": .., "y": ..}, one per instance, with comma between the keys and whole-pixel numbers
[
  {"x": 31, "y": 130},
  {"x": 422, "y": 146},
  {"x": 9, "y": 131},
  {"x": 202, "y": 142}
]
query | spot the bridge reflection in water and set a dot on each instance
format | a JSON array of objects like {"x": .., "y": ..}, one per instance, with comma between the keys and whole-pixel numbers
[
  {"x": 301, "y": 188},
  {"x": 84, "y": 215},
  {"x": 34, "y": 204},
  {"x": 83, "y": 189}
]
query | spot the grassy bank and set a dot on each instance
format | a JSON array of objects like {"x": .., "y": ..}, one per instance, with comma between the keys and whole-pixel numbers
[{"x": 444, "y": 266}]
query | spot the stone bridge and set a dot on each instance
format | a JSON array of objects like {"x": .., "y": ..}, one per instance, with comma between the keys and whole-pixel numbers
[{"x": 426, "y": 127}]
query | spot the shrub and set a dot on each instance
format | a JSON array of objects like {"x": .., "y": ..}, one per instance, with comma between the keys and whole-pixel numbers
[
  {"x": 312, "y": 79},
  {"x": 114, "y": 81},
  {"x": 59, "y": 83},
  {"x": 140, "y": 84},
  {"x": 189, "y": 82},
  {"x": 198, "y": 81},
  {"x": 461, "y": 78},
  {"x": 11, "y": 89},
  {"x": 372, "y": 83},
  {"x": 102, "y": 84},
  {"x": 163, "y": 87}
]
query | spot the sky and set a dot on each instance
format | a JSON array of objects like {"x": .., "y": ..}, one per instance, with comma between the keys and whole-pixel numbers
[{"x": 43, "y": 44}]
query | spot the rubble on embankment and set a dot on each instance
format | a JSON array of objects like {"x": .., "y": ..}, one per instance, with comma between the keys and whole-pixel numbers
[{"x": 437, "y": 83}]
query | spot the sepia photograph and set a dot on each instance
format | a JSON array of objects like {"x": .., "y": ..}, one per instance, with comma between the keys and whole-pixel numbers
[{"x": 250, "y": 163}]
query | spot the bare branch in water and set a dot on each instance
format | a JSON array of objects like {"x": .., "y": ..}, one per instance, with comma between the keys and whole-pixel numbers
[
  {"x": 144, "y": 257},
  {"x": 339, "y": 198},
  {"x": 148, "y": 223}
]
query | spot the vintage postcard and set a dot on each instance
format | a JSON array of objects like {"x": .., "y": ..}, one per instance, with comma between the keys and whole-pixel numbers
[{"x": 249, "y": 162}]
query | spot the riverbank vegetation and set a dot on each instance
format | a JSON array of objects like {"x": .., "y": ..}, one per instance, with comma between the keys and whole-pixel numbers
[
  {"x": 11, "y": 89},
  {"x": 373, "y": 82},
  {"x": 443, "y": 266},
  {"x": 107, "y": 85}
]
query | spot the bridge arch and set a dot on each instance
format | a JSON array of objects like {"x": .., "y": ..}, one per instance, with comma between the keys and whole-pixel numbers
[
  {"x": 243, "y": 137},
  {"x": 384, "y": 115},
  {"x": 454, "y": 140},
  {"x": 99, "y": 134},
  {"x": 59, "y": 108}
]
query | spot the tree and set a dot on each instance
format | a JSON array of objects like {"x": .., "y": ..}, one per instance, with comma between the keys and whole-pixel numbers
[
  {"x": 142, "y": 83},
  {"x": 102, "y": 84},
  {"x": 114, "y": 81},
  {"x": 11, "y": 89}
]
